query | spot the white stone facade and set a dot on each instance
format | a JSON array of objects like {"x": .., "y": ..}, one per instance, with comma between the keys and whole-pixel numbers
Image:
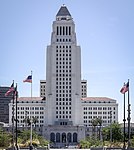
[
  {"x": 43, "y": 88},
  {"x": 28, "y": 107},
  {"x": 92, "y": 107},
  {"x": 99, "y": 107},
  {"x": 63, "y": 73},
  {"x": 83, "y": 88},
  {"x": 63, "y": 83}
]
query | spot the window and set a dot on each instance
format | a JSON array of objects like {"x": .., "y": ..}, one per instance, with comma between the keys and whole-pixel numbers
[
  {"x": 66, "y": 30},
  {"x": 60, "y": 30},
  {"x": 69, "y": 30},
  {"x": 57, "y": 30},
  {"x": 104, "y": 108},
  {"x": 41, "y": 108},
  {"x": 85, "y": 108}
]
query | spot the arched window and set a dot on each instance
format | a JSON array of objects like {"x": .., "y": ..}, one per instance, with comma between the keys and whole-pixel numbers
[
  {"x": 52, "y": 137},
  {"x": 63, "y": 137},
  {"x": 74, "y": 137},
  {"x": 69, "y": 137},
  {"x": 57, "y": 137}
]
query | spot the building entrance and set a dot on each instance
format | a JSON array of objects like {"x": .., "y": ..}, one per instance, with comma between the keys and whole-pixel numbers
[{"x": 67, "y": 138}]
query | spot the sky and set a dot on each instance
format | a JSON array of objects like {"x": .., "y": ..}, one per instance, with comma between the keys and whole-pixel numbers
[{"x": 104, "y": 31}]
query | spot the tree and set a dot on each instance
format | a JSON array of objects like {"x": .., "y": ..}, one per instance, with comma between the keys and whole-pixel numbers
[
  {"x": 117, "y": 134},
  {"x": 132, "y": 141},
  {"x": 34, "y": 120},
  {"x": 94, "y": 124},
  {"x": 5, "y": 139},
  {"x": 99, "y": 120},
  {"x": 24, "y": 138},
  {"x": 85, "y": 144},
  {"x": 27, "y": 121},
  {"x": 90, "y": 141}
]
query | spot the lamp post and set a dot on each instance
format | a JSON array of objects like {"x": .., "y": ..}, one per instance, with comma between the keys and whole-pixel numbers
[{"x": 31, "y": 147}]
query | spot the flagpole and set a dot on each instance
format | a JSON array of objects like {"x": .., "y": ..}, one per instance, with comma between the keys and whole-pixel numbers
[
  {"x": 13, "y": 117},
  {"x": 29, "y": 80},
  {"x": 16, "y": 93},
  {"x": 128, "y": 118},
  {"x": 31, "y": 118},
  {"x": 124, "y": 146}
]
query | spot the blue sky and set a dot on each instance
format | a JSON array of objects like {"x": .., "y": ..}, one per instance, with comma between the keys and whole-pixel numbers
[{"x": 105, "y": 32}]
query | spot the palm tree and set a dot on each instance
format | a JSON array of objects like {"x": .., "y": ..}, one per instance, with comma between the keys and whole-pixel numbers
[
  {"x": 99, "y": 120},
  {"x": 27, "y": 121},
  {"x": 35, "y": 120},
  {"x": 94, "y": 124}
]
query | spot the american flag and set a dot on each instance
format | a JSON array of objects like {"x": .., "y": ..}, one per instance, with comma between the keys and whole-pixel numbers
[
  {"x": 125, "y": 88},
  {"x": 11, "y": 89},
  {"x": 28, "y": 79}
]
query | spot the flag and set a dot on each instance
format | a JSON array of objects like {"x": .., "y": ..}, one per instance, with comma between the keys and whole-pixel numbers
[
  {"x": 11, "y": 89},
  {"x": 125, "y": 88},
  {"x": 16, "y": 92},
  {"x": 44, "y": 98},
  {"x": 28, "y": 79}
]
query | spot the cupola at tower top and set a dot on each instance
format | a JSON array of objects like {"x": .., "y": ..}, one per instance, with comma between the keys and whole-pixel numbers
[{"x": 63, "y": 13}]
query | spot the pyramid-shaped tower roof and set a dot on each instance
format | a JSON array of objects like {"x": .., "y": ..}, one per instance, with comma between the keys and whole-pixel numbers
[{"x": 63, "y": 11}]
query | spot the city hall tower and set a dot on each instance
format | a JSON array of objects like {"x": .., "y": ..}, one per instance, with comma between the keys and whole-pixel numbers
[{"x": 63, "y": 118}]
